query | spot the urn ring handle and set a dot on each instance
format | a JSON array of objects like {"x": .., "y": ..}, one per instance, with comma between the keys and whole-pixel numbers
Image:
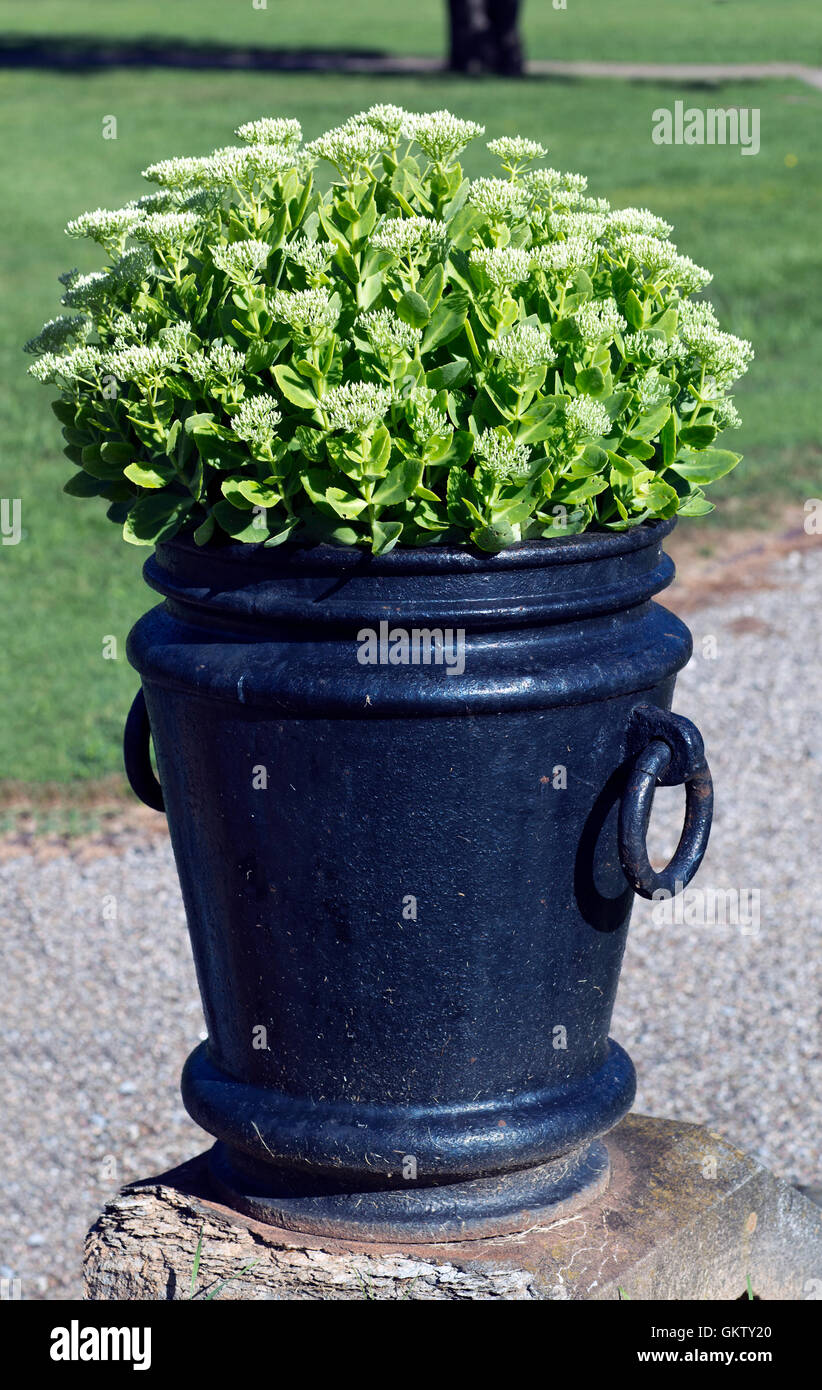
[
  {"x": 137, "y": 755},
  {"x": 667, "y": 752}
]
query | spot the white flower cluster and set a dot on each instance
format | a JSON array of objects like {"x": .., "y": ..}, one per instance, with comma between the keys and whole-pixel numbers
[
  {"x": 256, "y": 420},
  {"x": 348, "y": 147},
  {"x": 132, "y": 267},
  {"x": 440, "y": 134},
  {"x": 550, "y": 186},
  {"x": 661, "y": 260},
  {"x": 501, "y": 454},
  {"x": 638, "y": 222},
  {"x": 600, "y": 205},
  {"x": 598, "y": 321},
  {"x": 389, "y": 120},
  {"x": 563, "y": 258},
  {"x": 724, "y": 356},
  {"x": 164, "y": 200},
  {"x": 388, "y": 333},
  {"x": 651, "y": 391},
  {"x": 175, "y": 338},
  {"x": 126, "y": 329},
  {"x": 515, "y": 150},
  {"x": 697, "y": 313},
  {"x": 407, "y": 236},
  {"x": 499, "y": 200},
  {"x": 585, "y": 418},
  {"x": 104, "y": 226},
  {"x": 242, "y": 261},
  {"x": 356, "y": 405},
  {"x": 203, "y": 201},
  {"x": 313, "y": 256},
  {"x": 524, "y": 348},
  {"x": 726, "y": 415},
  {"x": 57, "y": 333},
  {"x": 82, "y": 364},
  {"x": 240, "y": 165},
  {"x": 221, "y": 362},
  {"x": 687, "y": 275},
  {"x": 582, "y": 224},
  {"x": 426, "y": 421},
  {"x": 272, "y": 130},
  {"x": 243, "y": 165},
  {"x": 138, "y": 361},
  {"x": 88, "y": 291},
  {"x": 167, "y": 231},
  {"x": 184, "y": 171},
  {"x": 305, "y": 311},
  {"x": 503, "y": 265},
  {"x": 642, "y": 344}
]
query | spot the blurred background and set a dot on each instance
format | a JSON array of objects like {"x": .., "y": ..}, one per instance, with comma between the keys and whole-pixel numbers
[
  {"x": 178, "y": 79},
  {"x": 101, "y": 1002}
]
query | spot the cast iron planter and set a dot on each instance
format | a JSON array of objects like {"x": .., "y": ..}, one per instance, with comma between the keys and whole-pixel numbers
[{"x": 416, "y": 883}]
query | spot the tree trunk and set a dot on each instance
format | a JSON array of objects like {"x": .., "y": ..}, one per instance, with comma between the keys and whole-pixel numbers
[
  {"x": 506, "y": 45},
  {"x": 485, "y": 37}
]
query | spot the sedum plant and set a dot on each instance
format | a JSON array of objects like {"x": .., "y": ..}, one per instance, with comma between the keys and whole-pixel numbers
[{"x": 403, "y": 355}]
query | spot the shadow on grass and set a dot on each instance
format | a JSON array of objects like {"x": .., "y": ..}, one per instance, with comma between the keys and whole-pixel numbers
[{"x": 86, "y": 52}]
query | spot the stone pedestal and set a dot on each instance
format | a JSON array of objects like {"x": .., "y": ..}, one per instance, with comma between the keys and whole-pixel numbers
[{"x": 685, "y": 1216}]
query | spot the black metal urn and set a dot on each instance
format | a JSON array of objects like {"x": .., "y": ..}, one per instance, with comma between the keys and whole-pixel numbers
[{"x": 408, "y": 799}]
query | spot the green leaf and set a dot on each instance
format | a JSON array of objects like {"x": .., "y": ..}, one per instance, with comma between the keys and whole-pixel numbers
[
  {"x": 201, "y": 424},
  {"x": 66, "y": 411},
  {"x": 592, "y": 381},
  {"x": 379, "y": 452},
  {"x": 144, "y": 475},
  {"x": 293, "y": 387},
  {"x": 349, "y": 505},
  {"x": 446, "y": 320},
  {"x": 278, "y": 537},
  {"x": 615, "y": 404},
  {"x": 235, "y": 523},
  {"x": 398, "y": 483},
  {"x": 651, "y": 422},
  {"x": 637, "y": 448},
  {"x": 632, "y": 309},
  {"x": 432, "y": 285},
  {"x": 698, "y": 436},
  {"x": 462, "y": 494},
  {"x": 98, "y": 468},
  {"x": 668, "y": 440},
  {"x": 260, "y": 355},
  {"x": 658, "y": 496},
  {"x": 695, "y": 505},
  {"x": 413, "y": 309},
  {"x": 258, "y": 494},
  {"x": 385, "y": 535},
  {"x": 83, "y": 485},
  {"x": 152, "y": 519},
  {"x": 204, "y": 531},
  {"x": 451, "y": 375},
  {"x": 705, "y": 466},
  {"x": 115, "y": 452},
  {"x": 495, "y": 537}
]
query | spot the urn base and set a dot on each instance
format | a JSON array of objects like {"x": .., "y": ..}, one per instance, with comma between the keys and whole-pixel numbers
[{"x": 454, "y": 1211}]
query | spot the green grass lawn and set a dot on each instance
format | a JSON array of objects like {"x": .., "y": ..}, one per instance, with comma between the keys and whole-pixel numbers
[
  {"x": 72, "y": 582},
  {"x": 624, "y": 30}
]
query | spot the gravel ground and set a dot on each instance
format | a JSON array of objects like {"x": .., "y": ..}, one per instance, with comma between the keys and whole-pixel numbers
[{"x": 722, "y": 1020}]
